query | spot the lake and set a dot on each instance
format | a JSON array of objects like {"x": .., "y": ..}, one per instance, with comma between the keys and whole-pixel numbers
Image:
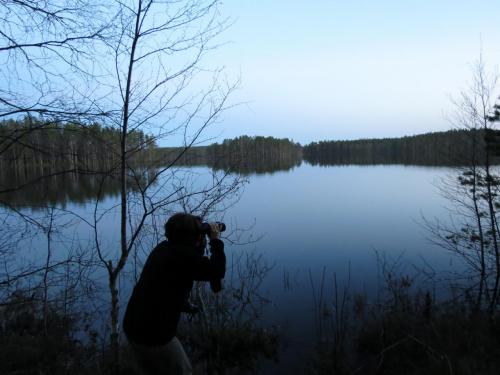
[
  {"x": 333, "y": 220},
  {"x": 314, "y": 223}
]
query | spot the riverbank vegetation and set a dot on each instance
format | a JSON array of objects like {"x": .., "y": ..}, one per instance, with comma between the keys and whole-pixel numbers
[
  {"x": 407, "y": 330},
  {"x": 60, "y": 334}
]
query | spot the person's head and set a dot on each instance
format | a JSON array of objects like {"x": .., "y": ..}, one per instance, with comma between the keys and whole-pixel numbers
[{"x": 182, "y": 228}]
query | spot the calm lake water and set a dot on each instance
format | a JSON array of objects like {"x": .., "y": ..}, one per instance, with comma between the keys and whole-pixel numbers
[
  {"x": 313, "y": 221},
  {"x": 333, "y": 220}
]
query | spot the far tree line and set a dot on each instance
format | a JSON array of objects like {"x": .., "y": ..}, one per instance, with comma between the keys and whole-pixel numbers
[
  {"x": 35, "y": 147},
  {"x": 29, "y": 147},
  {"x": 246, "y": 154},
  {"x": 449, "y": 148}
]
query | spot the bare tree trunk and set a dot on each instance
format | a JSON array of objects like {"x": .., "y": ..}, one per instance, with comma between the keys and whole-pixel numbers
[
  {"x": 46, "y": 272},
  {"x": 477, "y": 214},
  {"x": 482, "y": 275},
  {"x": 493, "y": 228},
  {"x": 114, "y": 274},
  {"x": 115, "y": 339}
]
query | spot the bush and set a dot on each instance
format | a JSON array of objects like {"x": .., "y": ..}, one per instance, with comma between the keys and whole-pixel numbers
[{"x": 34, "y": 340}]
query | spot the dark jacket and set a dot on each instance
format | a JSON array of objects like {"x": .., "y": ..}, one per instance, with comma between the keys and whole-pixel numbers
[{"x": 154, "y": 308}]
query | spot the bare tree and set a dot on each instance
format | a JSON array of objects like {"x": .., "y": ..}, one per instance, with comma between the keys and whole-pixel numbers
[
  {"x": 136, "y": 67},
  {"x": 473, "y": 233},
  {"x": 150, "y": 69},
  {"x": 45, "y": 55},
  {"x": 45, "y": 47}
]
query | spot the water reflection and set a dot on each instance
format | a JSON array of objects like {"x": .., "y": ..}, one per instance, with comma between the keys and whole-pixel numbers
[
  {"x": 59, "y": 190},
  {"x": 250, "y": 167},
  {"x": 36, "y": 190}
]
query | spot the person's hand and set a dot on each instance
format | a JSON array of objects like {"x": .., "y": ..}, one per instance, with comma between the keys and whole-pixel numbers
[{"x": 214, "y": 231}]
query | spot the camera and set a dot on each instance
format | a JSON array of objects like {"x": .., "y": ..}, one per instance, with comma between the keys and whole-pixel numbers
[{"x": 205, "y": 227}]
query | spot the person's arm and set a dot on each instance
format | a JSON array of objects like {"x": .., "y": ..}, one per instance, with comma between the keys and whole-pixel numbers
[
  {"x": 217, "y": 246},
  {"x": 210, "y": 269}
]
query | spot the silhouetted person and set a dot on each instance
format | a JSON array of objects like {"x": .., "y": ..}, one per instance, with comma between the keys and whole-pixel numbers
[{"x": 162, "y": 292}]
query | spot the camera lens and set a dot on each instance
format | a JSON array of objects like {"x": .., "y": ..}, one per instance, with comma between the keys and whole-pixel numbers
[{"x": 205, "y": 227}]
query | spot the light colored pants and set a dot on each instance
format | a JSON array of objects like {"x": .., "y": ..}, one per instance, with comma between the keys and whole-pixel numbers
[{"x": 169, "y": 359}]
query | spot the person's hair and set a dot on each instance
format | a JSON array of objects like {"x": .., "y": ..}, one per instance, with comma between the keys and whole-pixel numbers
[{"x": 182, "y": 228}]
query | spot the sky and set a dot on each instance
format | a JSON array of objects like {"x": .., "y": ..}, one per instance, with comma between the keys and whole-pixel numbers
[{"x": 351, "y": 69}]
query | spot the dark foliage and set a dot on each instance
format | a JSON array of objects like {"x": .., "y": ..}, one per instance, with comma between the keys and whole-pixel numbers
[
  {"x": 440, "y": 148},
  {"x": 34, "y": 343},
  {"x": 414, "y": 334},
  {"x": 244, "y": 155},
  {"x": 237, "y": 347}
]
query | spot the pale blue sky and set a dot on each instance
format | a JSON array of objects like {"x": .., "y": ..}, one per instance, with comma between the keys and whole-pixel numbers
[{"x": 351, "y": 69}]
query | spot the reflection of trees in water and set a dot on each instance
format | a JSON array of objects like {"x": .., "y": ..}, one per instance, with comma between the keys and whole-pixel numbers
[
  {"x": 58, "y": 189},
  {"x": 248, "y": 167},
  {"x": 244, "y": 166},
  {"x": 33, "y": 187}
]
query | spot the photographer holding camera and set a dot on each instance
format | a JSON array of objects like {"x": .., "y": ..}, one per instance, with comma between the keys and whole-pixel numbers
[{"x": 162, "y": 292}]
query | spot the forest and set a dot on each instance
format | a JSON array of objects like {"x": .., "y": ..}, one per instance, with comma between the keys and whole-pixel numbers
[
  {"x": 31, "y": 147},
  {"x": 266, "y": 154},
  {"x": 449, "y": 148},
  {"x": 243, "y": 155},
  {"x": 38, "y": 146},
  {"x": 54, "y": 153}
]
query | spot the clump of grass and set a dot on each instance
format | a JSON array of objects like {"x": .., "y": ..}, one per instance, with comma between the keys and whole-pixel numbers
[
  {"x": 239, "y": 347},
  {"x": 409, "y": 332},
  {"x": 39, "y": 341}
]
